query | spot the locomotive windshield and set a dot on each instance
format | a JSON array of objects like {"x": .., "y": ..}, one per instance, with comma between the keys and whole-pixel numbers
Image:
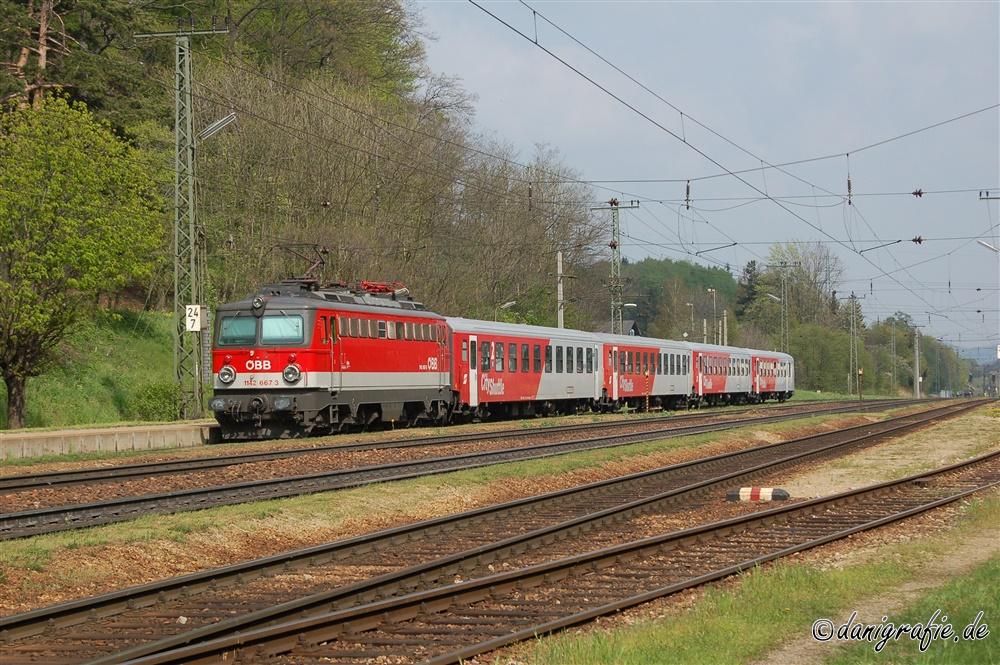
[
  {"x": 281, "y": 330},
  {"x": 237, "y": 330},
  {"x": 275, "y": 330}
]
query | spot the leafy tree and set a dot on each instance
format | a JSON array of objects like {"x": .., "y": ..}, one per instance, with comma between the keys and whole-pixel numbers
[
  {"x": 78, "y": 216},
  {"x": 746, "y": 289},
  {"x": 79, "y": 48}
]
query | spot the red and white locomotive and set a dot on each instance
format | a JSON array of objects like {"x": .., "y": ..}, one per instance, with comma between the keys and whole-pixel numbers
[{"x": 296, "y": 359}]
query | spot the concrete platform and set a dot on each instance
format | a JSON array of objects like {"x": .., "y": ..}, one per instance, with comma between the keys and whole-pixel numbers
[{"x": 21, "y": 445}]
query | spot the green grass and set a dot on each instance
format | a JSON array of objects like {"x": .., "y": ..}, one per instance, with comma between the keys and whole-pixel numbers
[
  {"x": 116, "y": 368},
  {"x": 960, "y": 603}
]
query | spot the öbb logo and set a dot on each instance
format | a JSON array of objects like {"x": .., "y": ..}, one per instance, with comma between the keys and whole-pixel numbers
[{"x": 257, "y": 365}]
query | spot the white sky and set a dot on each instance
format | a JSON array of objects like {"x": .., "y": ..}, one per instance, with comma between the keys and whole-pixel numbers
[{"x": 860, "y": 84}]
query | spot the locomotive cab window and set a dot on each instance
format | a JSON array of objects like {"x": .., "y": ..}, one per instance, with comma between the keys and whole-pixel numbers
[
  {"x": 282, "y": 330},
  {"x": 240, "y": 330}
]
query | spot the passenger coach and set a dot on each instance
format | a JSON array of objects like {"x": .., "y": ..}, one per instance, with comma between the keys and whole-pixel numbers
[{"x": 513, "y": 370}]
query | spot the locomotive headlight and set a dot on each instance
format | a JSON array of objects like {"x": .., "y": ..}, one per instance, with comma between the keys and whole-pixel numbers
[
  {"x": 227, "y": 375},
  {"x": 291, "y": 374}
]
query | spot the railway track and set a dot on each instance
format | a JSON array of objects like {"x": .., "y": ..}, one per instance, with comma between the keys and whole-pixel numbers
[
  {"x": 118, "y": 473},
  {"x": 24, "y": 523},
  {"x": 457, "y": 622},
  {"x": 424, "y": 554}
]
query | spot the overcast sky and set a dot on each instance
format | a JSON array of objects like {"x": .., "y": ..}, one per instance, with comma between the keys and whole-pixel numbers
[{"x": 898, "y": 96}]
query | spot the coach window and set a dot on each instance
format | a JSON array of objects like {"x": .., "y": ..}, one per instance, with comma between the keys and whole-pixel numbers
[
  {"x": 465, "y": 350},
  {"x": 645, "y": 362},
  {"x": 512, "y": 357},
  {"x": 538, "y": 358},
  {"x": 579, "y": 359},
  {"x": 472, "y": 355},
  {"x": 559, "y": 360},
  {"x": 485, "y": 356},
  {"x": 590, "y": 361},
  {"x": 622, "y": 365},
  {"x": 525, "y": 358},
  {"x": 499, "y": 358},
  {"x": 548, "y": 358},
  {"x": 569, "y": 359}
]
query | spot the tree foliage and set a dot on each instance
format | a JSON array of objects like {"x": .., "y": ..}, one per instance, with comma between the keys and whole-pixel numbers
[{"x": 78, "y": 217}]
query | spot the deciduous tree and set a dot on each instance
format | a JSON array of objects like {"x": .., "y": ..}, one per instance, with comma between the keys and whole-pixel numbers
[{"x": 79, "y": 215}]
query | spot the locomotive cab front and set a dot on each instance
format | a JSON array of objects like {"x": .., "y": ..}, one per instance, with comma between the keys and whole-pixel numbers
[{"x": 272, "y": 365}]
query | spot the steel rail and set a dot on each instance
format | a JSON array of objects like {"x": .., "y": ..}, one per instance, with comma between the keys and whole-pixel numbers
[
  {"x": 402, "y": 581},
  {"x": 431, "y": 608},
  {"x": 26, "y": 523},
  {"x": 117, "y": 473}
]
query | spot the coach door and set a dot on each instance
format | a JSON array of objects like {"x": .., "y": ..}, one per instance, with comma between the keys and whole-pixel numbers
[
  {"x": 334, "y": 339},
  {"x": 614, "y": 373},
  {"x": 444, "y": 357},
  {"x": 598, "y": 374},
  {"x": 473, "y": 371}
]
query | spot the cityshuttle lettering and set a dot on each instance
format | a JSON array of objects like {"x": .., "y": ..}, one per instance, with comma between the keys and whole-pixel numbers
[
  {"x": 626, "y": 385},
  {"x": 491, "y": 386}
]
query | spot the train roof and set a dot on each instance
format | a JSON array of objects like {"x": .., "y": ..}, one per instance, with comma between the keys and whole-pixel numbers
[
  {"x": 308, "y": 292},
  {"x": 478, "y": 327}
]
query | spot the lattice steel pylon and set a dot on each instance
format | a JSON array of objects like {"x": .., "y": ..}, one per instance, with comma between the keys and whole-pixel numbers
[
  {"x": 189, "y": 243},
  {"x": 617, "y": 287}
]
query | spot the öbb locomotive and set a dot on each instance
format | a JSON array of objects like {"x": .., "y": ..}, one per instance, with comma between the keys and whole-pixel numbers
[{"x": 298, "y": 359}]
